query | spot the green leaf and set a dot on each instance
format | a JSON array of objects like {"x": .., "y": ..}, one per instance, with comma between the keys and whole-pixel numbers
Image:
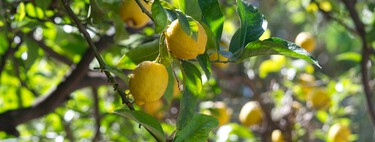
[
  {"x": 118, "y": 73},
  {"x": 188, "y": 25},
  {"x": 125, "y": 63},
  {"x": 43, "y": 4},
  {"x": 33, "y": 11},
  {"x": 274, "y": 46},
  {"x": 350, "y": 56},
  {"x": 204, "y": 62},
  {"x": 212, "y": 42},
  {"x": 192, "y": 88},
  {"x": 96, "y": 15},
  {"x": 146, "y": 120},
  {"x": 252, "y": 26},
  {"x": 144, "y": 52},
  {"x": 197, "y": 129},
  {"x": 212, "y": 15},
  {"x": 32, "y": 53},
  {"x": 21, "y": 12},
  {"x": 3, "y": 43},
  {"x": 168, "y": 94},
  {"x": 191, "y": 8},
  {"x": 160, "y": 16}
]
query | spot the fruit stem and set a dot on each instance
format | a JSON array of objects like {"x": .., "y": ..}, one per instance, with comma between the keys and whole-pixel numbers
[{"x": 144, "y": 10}]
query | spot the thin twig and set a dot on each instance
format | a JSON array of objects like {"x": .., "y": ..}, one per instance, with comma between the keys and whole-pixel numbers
[
  {"x": 96, "y": 114},
  {"x": 144, "y": 10},
  {"x": 360, "y": 27},
  {"x": 97, "y": 54},
  {"x": 22, "y": 81}
]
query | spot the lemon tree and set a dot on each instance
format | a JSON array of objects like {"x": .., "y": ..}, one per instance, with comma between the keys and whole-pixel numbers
[{"x": 157, "y": 70}]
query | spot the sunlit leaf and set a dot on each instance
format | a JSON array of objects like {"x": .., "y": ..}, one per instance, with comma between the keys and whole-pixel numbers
[
  {"x": 144, "y": 52},
  {"x": 191, "y": 8},
  {"x": 204, "y": 62},
  {"x": 252, "y": 26},
  {"x": 212, "y": 14},
  {"x": 274, "y": 46},
  {"x": 146, "y": 120},
  {"x": 34, "y": 11},
  {"x": 192, "y": 88},
  {"x": 197, "y": 129},
  {"x": 188, "y": 25},
  {"x": 159, "y": 15}
]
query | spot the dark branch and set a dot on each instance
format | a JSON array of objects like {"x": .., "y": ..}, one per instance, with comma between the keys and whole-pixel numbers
[
  {"x": 10, "y": 119},
  {"x": 360, "y": 27}
]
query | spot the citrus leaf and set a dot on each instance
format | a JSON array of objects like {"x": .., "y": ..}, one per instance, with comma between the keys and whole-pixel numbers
[
  {"x": 274, "y": 46},
  {"x": 188, "y": 25},
  {"x": 34, "y": 11},
  {"x": 192, "y": 88},
  {"x": 32, "y": 53},
  {"x": 168, "y": 94},
  {"x": 251, "y": 28},
  {"x": 212, "y": 15},
  {"x": 191, "y": 8},
  {"x": 204, "y": 62},
  {"x": 197, "y": 129},
  {"x": 144, "y": 52},
  {"x": 118, "y": 73},
  {"x": 159, "y": 15},
  {"x": 147, "y": 121}
]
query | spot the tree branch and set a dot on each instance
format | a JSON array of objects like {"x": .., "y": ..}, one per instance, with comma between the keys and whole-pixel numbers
[
  {"x": 93, "y": 48},
  {"x": 360, "y": 27},
  {"x": 10, "y": 119},
  {"x": 96, "y": 114}
]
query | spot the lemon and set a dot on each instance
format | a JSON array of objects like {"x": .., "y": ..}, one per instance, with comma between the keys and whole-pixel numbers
[
  {"x": 325, "y": 6},
  {"x": 277, "y": 136},
  {"x": 176, "y": 89},
  {"x": 306, "y": 40},
  {"x": 265, "y": 35},
  {"x": 217, "y": 56},
  {"x": 339, "y": 133},
  {"x": 132, "y": 14},
  {"x": 181, "y": 44},
  {"x": 154, "y": 108},
  {"x": 319, "y": 99},
  {"x": 251, "y": 114},
  {"x": 307, "y": 82},
  {"x": 219, "y": 110},
  {"x": 148, "y": 82}
]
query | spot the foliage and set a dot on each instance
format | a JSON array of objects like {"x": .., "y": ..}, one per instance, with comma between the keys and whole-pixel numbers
[{"x": 53, "y": 86}]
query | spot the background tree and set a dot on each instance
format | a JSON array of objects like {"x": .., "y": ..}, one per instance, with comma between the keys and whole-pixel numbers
[{"x": 65, "y": 69}]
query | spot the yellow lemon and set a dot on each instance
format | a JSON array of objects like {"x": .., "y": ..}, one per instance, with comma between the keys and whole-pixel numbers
[
  {"x": 339, "y": 133},
  {"x": 154, "y": 108},
  {"x": 148, "y": 82},
  {"x": 220, "y": 111},
  {"x": 325, "y": 6},
  {"x": 132, "y": 14},
  {"x": 265, "y": 35},
  {"x": 181, "y": 44},
  {"x": 306, "y": 40},
  {"x": 251, "y": 114},
  {"x": 277, "y": 136},
  {"x": 319, "y": 99},
  {"x": 217, "y": 56},
  {"x": 176, "y": 89}
]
